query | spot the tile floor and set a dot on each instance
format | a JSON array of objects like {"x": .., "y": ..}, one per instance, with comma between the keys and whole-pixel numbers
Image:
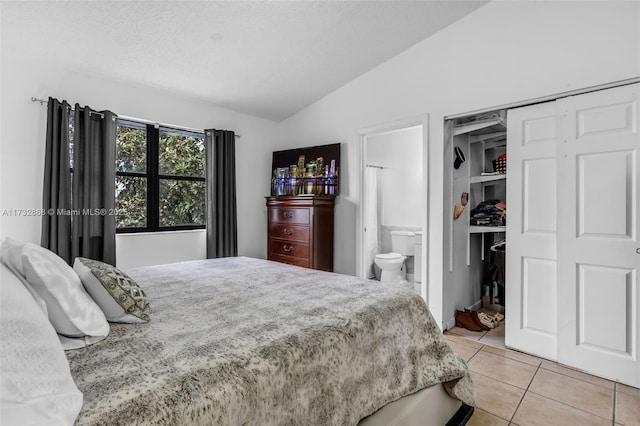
[{"x": 513, "y": 388}]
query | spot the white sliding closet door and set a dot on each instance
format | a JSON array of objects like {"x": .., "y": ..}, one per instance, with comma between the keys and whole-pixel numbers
[
  {"x": 598, "y": 248},
  {"x": 531, "y": 230},
  {"x": 573, "y": 251}
]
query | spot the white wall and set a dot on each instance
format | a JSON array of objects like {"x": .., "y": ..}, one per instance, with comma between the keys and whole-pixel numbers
[
  {"x": 156, "y": 248},
  {"x": 504, "y": 52},
  {"x": 400, "y": 154},
  {"x": 22, "y": 138}
]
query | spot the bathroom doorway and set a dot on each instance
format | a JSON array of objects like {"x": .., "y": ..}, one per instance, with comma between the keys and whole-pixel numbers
[{"x": 393, "y": 197}]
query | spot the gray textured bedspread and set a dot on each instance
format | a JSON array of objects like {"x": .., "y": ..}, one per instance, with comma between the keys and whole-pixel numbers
[{"x": 240, "y": 341}]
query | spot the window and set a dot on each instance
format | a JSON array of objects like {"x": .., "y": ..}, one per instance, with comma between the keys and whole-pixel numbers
[{"x": 160, "y": 183}]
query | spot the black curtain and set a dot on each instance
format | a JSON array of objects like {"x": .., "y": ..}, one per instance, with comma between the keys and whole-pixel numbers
[
  {"x": 79, "y": 192},
  {"x": 222, "y": 223},
  {"x": 56, "y": 198},
  {"x": 93, "y": 232}
]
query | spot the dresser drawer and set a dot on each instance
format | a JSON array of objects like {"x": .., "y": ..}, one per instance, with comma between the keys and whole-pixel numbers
[
  {"x": 289, "y": 215},
  {"x": 290, "y": 232},
  {"x": 290, "y": 260},
  {"x": 287, "y": 248}
]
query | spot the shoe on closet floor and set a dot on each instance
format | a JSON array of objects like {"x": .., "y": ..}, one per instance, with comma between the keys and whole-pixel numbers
[
  {"x": 486, "y": 320},
  {"x": 485, "y": 323},
  {"x": 494, "y": 317},
  {"x": 498, "y": 316},
  {"x": 465, "y": 320}
]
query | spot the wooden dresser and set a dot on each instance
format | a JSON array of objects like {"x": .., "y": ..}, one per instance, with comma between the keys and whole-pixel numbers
[{"x": 301, "y": 230}]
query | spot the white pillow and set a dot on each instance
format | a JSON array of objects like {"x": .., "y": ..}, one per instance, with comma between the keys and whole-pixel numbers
[
  {"x": 120, "y": 298},
  {"x": 12, "y": 255},
  {"x": 36, "y": 386},
  {"x": 71, "y": 310},
  {"x": 19, "y": 274}
]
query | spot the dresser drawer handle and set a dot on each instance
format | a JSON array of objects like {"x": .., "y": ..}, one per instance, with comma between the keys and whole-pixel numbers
[
  {"x": 287, "y": 231},
  {"x": 287, "y": 248},
  {"x": 288, "y": 215}
]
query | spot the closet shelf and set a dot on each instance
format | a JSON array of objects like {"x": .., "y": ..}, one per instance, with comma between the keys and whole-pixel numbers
[
  {"x": 485, "y": 179},
  {"x": 486, "y": 229},
  {"x": 489, "y": 137},
  {"x": 493, "y": 125}
]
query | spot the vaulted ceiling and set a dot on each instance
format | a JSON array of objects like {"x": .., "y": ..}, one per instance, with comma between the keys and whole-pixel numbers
[{"x": 269, "y": 59}]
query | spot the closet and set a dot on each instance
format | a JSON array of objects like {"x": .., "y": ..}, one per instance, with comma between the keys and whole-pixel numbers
[
  {"x": 573, "y": 255},
  {"x": 475, "y": 197}
]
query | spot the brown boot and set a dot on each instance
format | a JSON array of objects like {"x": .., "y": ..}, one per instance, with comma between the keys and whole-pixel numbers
[
  {"x": 476, "y": 319},
  {"x": 464, "y": 319}
]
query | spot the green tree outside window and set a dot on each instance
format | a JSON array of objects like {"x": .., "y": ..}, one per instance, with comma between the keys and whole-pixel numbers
[{"x": 166, "y": 162}]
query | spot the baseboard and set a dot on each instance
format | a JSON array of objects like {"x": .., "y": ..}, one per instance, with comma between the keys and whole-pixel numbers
[
  {"x": 448, "y": 325},
  {"x": 475, "y": 306}
]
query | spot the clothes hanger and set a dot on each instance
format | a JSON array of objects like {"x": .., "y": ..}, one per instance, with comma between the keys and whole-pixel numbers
[{"x": 498, "y": 244}]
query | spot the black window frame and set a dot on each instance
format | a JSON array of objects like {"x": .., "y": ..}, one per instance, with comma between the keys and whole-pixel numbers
[{"x": 153, "y": 177}]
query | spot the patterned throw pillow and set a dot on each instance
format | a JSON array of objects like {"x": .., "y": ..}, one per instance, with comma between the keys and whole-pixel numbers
[{"x": 120, "y": 298}]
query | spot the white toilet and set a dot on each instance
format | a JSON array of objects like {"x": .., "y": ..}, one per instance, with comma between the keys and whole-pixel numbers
[{"x": 402, "y": 245}]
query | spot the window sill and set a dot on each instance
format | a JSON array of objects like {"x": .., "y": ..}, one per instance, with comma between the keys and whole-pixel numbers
[{"x": 180, "y": 231}]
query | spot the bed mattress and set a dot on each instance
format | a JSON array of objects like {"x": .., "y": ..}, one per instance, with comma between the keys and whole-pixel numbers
[{"x": 248, "y": 341}]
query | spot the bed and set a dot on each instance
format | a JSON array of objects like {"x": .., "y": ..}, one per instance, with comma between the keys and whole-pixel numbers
[
  {"x": 249, "y": 341},
  {"x": 233, "y": 341}
]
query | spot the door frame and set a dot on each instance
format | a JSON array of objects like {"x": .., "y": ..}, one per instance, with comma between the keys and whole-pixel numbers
[{"x": 363, "y": 134}]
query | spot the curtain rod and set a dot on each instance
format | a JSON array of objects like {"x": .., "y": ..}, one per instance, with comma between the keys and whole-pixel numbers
[
  {"x": 45, "y": 102},
  {"x": 375, "y": 167},
  {"x": 124, "y": 117},
  {"x": 188, "y": 129}
]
